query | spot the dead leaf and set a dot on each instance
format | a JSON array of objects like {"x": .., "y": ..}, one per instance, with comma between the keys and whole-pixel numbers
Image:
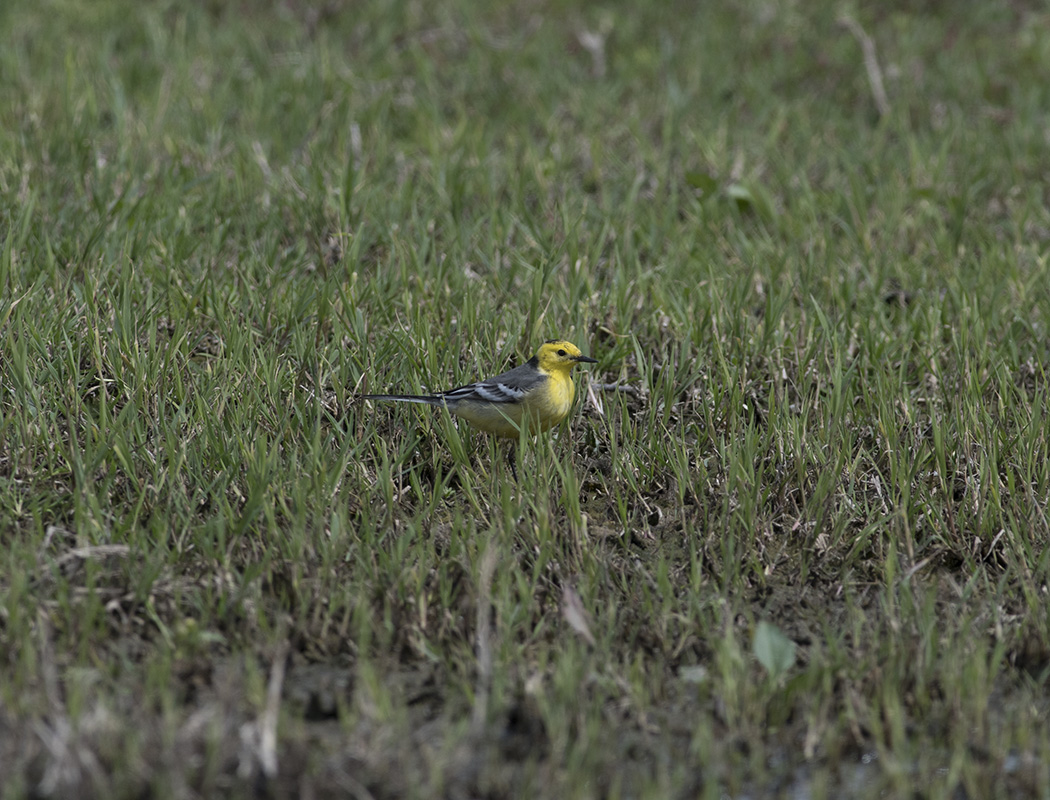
[{"x": 575, "y": 614}]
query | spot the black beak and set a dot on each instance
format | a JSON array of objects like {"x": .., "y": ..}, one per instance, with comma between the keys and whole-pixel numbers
[{"x": 586, "y": 360}]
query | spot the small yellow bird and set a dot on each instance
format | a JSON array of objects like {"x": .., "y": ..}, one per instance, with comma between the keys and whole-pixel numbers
[{"x": 540, "y": 390}]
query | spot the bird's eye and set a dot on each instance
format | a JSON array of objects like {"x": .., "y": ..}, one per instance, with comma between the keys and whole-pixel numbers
[{"x": 561, "y": 352}]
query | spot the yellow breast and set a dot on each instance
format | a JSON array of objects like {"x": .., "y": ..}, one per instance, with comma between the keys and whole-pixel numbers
[{"x": 556, "y": 401}]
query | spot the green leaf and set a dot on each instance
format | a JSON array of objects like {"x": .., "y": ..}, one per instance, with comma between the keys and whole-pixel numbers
[
  {"x": 701, "y": 181},
  {"x": 774, "y": 650}
]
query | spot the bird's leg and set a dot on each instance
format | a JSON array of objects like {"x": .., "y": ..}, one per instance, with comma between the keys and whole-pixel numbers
[{"x": 512, "y": 461}]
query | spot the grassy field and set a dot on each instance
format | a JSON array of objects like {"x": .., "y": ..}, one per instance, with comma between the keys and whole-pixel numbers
[{"x": 793, "y": 540}]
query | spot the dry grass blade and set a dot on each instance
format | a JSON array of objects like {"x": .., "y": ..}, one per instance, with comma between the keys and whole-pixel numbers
[
  {"x": 871, "y": 63},
  {"x": 575, "y": 614},
  {"x": 268, "y": 721},
  {"x": 484, "y": 643}
]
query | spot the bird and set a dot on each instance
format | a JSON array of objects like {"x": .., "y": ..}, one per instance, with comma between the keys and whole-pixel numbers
[{"x": 540, "y": 391}]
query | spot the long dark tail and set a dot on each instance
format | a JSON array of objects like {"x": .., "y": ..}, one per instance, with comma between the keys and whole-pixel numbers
[{"x": 428, "y": 400}]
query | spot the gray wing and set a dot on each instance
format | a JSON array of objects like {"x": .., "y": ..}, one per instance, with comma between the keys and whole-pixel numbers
[{"x": 508, "y": 387}]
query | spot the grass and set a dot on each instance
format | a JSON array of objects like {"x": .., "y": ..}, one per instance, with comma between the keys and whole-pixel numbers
[{"x": 802, "y": 550}]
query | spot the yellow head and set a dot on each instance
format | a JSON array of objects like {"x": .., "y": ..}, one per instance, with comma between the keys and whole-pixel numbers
[{"x": 557, "y": 354}]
